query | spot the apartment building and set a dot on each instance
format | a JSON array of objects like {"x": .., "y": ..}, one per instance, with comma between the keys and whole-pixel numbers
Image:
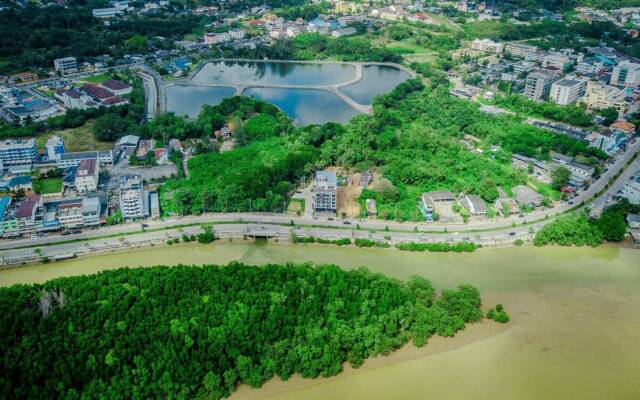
[
  {"x": 66, "y": 65},
  {"x": 559, "y": 61},
  {"x": 18, "y": 152},
  {"x": 66, "y": 160},
  {"x": 87, "y": 175},
  {"x": 538, "y": 84},
  {"x": 599, "y": 96},
  {"x": 567, "y": 91},
  {"x": 487, "y": 45},
  {"x": 626, "y": 74},
  {"x": 326, "y": 192},
  {"x": 521, "y": 50},
  {"x": 70, "y": 215},
  {"x": 131, "y": 194}
]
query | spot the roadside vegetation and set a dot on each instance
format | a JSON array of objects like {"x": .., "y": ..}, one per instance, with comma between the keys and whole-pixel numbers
[
  {"x": 580, "y": 230},
  {"x": 199, "y": 332}
]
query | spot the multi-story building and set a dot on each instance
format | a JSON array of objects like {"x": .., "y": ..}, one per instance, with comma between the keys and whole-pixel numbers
[
  {"x": 26, "y": 215},
  {"x": 87, "y": 175},
  {"x": 567, "y": 91},
  {"x": 538, "y": 84},
  {"x": 626, "y": 74},
  {"x": 222, "y": 37},
  {"x": 326, "y": 192},
  {"x": 66, "y": 160},
  {"x": 106, "y": 12},
  {"x": 54, "y": 147},
  {"x": 559, "y": 61},
  {"x": 70, "y": 215},
  {"x": 599, "y": 96},
  {"x": 66, "y": 65},
  {"x": 18, "y": 152},
  {"x": 117, "y": 88},
  {"x": 91, "y": 211},
  {"x": 487, "y": 45},
  {"x": 521, "y": 50},
  {"x": 590, "y": 66},
  {"x": 131, "y": 194}
]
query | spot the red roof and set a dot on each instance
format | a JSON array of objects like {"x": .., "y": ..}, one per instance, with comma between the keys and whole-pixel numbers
[
  {"x": 88, "y": 165},
  {"x": 115, "y": 85},
  {"x": 26, "y": 207},
  {"x": 113, "y": 100},
  {"x": 96, "y": 91},
  {"x": 158, "y": 152}
]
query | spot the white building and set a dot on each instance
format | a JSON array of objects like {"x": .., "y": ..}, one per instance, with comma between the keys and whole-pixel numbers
[
  {"x": 487, "y": 45},
  {"x": 87, "y": 175},
  {"x": 66, "y": 66},
  {"x": 131, "y": 194},
  {"x": 538, "y": 84},
  {"x": 73, "y": 98},
  {"x": 626, "y": 74},
  {"x": 567, "y": 91},
  {"x": 106, "y": 12},
  {"x": 521, "y": 50},
  {"x": 326, "y": 192},
  {"x": 556, "y": 60},
  {"x": 18, "y": 152},
  {"x": 54, "y": 147}
]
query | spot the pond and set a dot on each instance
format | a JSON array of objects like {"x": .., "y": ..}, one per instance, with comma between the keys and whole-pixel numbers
[
  {"x": 188, "y": 100},
  {"x": 574, "y": 330}
]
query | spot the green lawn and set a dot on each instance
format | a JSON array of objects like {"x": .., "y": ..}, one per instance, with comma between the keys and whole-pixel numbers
[
  {"x": 48, "y": 185},
  {"x": 76, "y": 139},
  {"x": 98, "y": 78},
  {"x": 544, "y": 189}
]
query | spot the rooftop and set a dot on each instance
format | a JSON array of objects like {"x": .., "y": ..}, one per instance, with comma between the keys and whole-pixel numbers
[
  {"x": 115, "y": 85},
  {"x": 26, "y": 208}
]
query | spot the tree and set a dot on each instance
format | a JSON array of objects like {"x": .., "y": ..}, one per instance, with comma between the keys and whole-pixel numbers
[
  {"x": 110, "y": 127},
  {"x": 560, "y": 177},
  {"x": 610, "y": 115}
]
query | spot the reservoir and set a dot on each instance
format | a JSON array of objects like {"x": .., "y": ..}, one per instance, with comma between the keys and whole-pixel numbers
[
  {"x": 274, "y": 73},
  {"x": 305, "y": 91},
  {"x": 376, "y": 79},
  {"x": 188, "y": 100},
  {"x": 574, "y": 330},
  {"x": 306, "y": 106}
]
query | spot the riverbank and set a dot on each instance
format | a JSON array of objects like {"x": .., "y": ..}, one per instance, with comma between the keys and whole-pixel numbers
[{"x": 574, "y": 330}]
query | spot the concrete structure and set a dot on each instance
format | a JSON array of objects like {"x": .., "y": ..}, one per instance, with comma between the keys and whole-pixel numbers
[
  {"x": 66, "y": 160},
  {"x": 538, "y": 85},
  {"x": 66, "y": 66},
  {"x": 117, "y": 88},
  {"x": 87, "y": 175},
  {"x": 18, "y": 152},
  {"x": 474, "y": 204},
  {"x": 106, "y": 12},
  {"x": 633, "y": 220},
  {"x": 26, "y": 215},
  {"x": 131, "y": 193},
  {"x": 488, "y": 46},
  {"x": 590, "y": 66},
  {"x": 599, "y": 96},
  {"x": 559, "y": 61},
  {"x": 72, "y": 98},
  {"x": 54, "y": 147},
  {"x": 70, "y": 215},
  {"x": 609, "y": 141},
  {"x": 343, "y": 32},
  {"x": 626, "y": 74},
  {"x": 91, "y": 211},
  {"x": 326, "y": 192},
  {"x": 520, "y": 50},
  {"x": 567, "y": 91},
  {"x": 525, "y": 196}
]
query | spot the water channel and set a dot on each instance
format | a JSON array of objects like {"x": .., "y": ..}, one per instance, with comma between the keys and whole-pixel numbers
[{"x": 574, "y": 330}]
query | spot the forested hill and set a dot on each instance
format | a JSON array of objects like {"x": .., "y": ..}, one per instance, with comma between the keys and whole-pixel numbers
[{"x": 197, "y": 332}]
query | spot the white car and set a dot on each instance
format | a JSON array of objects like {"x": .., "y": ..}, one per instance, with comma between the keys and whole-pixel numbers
[{"x": 34, "y": 237}]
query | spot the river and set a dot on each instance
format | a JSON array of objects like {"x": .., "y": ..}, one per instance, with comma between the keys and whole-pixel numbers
[{"x": 574, "y": 330}]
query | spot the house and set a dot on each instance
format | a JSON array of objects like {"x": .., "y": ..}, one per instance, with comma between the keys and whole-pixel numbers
[
  {"x": 54, "y": 147},
  {"x": 343, "y": 32},
  {"x": 625, "y": 127},
  {"x": 440, "y": 197},
  {"x": 474, "y": 204},
  {"x": 117, "y": 88},
  {"x": 427, "y": 207},
  {"x": 87, "y": 175},
  {"x": 126, "y": 146},
  {"x": 26, "y": 215},
  {"x": 633, "y": 220},
  {"x": 326, "y": 192},
  {"x": 162, "y": 155},
  {"x": 505, "y": 204},
  {"x": 365, "y": 179},
  {"x": 20, "y": 182},
  {"x": 525, "y": 196}
]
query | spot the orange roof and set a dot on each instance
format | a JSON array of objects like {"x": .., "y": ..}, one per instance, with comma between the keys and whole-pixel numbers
[{"x": 623, "y": 126}]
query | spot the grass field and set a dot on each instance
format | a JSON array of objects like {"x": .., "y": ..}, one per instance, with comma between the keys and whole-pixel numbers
[
  {"x": 76, "y": 139},
  {"x": 48, "y": 185},
  {"x": 98, "y": 78}
]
